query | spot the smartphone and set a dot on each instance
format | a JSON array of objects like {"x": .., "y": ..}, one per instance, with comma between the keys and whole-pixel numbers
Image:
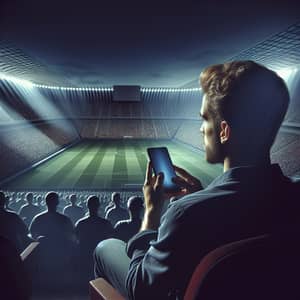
[{"x": 161, "y": 163}]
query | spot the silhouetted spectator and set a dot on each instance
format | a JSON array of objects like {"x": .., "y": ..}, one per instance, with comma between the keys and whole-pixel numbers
[
  {"x": 125, "y": 229},
  {"x": 12, "y": 227},
  {"x": 51, "y": 223},
  {"x": 90, "y": 231},
  {"x": 8, "y": 203},
  {"x": 16, "y": 205},
  {"x": 109, "y": 206},
  {"x": 73, "y": 211},
  {"x": 29, "y": 210},
  {"x": 40, "y": 203},
  {"x": 116, "y": 213}
]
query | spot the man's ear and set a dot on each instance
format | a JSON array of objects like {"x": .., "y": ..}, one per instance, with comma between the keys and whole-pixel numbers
[{"x": 225, "y": 132}]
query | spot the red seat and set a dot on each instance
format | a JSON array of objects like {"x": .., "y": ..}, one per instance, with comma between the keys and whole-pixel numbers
[
  {"x": 264, "y": 267},
  {"x": 100, "y": 289}
]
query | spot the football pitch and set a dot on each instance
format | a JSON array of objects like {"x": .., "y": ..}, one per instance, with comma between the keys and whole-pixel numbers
[{"x": 109, "y": 164}]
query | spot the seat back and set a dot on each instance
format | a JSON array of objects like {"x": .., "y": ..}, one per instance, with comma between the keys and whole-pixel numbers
[
  {"x": 14, "y": 280},
  {"x": 100, "y": 289},
  {"x": 264, "y": 267}
]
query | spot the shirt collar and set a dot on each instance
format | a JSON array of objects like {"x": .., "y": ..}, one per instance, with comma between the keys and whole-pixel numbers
[{"x": 254, "y": 172}]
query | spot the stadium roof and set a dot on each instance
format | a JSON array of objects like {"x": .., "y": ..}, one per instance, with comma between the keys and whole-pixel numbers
[{"x": 91, "y": 44}]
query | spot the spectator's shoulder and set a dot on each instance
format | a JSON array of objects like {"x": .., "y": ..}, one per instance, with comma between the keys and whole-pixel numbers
[
  {"x": 81, "y": 221},
  {"x": 121, "y": 223},
  {"x": 109, "y": 212},
  {"x": 23, "y": 207},
  {"x": 66, "y": 208},
  {"x": 63, "y": 217},
  {"x": 39, "y": 216},
  {"x": 11, "y": 213}
]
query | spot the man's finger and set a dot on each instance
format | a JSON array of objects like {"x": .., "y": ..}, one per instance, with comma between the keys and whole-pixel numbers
[
  {"x": 182, "y": 172},
  {"x": 187, "y": 176},
  {"x": 148, "y": 173},
  {"x": 180, "y": 182},
  {"x": 159, "y": 181}
]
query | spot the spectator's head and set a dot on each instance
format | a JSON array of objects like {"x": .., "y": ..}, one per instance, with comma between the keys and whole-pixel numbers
[
  {"x": 29, "y": 198},
  {"x": 2, "y": 200},
  {"x": 135, "y": 206},
  {"x": 52, "y": 201},
  {"x": 39, "y": 200},
  {"x": 116, "y": 198},
  {"x": 173, "y": 199},
  {"x": 243, "y": 106},
  {"x": 73, "y": 199},
  {"x": 93, "y": 205}
]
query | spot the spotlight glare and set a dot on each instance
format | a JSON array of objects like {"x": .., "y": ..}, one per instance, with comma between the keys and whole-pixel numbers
[{"x": 284, "y": 73}]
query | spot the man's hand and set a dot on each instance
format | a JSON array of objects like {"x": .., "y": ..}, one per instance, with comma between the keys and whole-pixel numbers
[
  {"x": 188, "y": 183},
  {"x": 154, "y": 199}
]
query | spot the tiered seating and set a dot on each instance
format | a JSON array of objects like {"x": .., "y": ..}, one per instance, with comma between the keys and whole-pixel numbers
[
  {"x": 288, "y": 155},
  {"x": 25, "y": 144},
  {"x": 189, "y": 133},
  {"x": 136, "y": 128}
]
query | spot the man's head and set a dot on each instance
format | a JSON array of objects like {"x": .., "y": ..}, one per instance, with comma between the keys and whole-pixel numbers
[
  {"x": 39, "y": 200},
  {"x": 73, "y": 199},
  {"x": 93, "y": 205},
  {"x": 115, "y": 198},
  {"x": 243, "y": 106},
  {"x": 29, "y": 198},
  {"x": 135, "y": 206},
  {"x": 52, "y": 201}
]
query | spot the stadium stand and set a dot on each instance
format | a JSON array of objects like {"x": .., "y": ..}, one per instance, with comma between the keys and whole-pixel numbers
[
  {"x": 25, "y": 144},
  {"x": 189, "y": 133},
  {"x": 134, "y": 128},
  {"x": 287, "y": 156}
]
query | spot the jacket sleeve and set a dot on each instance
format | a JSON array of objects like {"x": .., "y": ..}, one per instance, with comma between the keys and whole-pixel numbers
[{"x": 153, "y": 265}]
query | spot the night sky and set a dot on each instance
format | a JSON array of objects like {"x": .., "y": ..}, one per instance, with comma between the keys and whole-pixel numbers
[{"x": 90, "y": 43}]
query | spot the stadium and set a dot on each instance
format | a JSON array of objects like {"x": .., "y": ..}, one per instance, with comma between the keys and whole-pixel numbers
[{"x": 87, "y": 137}]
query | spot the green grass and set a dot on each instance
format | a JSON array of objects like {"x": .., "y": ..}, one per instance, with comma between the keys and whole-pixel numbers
[{"x": 109, "y": 164}]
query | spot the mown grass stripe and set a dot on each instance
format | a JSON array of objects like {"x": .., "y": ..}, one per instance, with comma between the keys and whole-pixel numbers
[
  {"x": 141, "y": 155},
  {"x": 120, "y": 172},
  {"x": 59, "y": 176},
  {"x": 89, "y": 173}
]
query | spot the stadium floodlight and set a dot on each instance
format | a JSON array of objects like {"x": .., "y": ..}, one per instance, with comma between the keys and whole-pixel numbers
[{"x": 22, "y": 82}]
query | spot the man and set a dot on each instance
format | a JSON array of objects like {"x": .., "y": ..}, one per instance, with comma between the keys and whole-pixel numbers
[
  {"x": 52, "y": 224},
  {"x": 73, "y": 211},
  {"x": 116, "y": 212},
  {"x": 29, "y": 210},
  {"x": 126, "y": 229},
  {"x": 90, "y": 231},
  {"x": 12, "y": 227},
  {"x": 243, "y": 107}
]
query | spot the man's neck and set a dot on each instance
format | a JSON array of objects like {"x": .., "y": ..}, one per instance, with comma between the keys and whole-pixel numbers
[
  {"x": 230, "y": 162},
  {"x": 93, "y": 214}
]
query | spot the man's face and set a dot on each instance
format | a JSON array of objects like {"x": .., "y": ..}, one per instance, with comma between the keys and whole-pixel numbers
[{"x": 210, "y": 131}]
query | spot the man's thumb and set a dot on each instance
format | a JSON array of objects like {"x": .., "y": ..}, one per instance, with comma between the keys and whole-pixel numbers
[{"x": 159, "y": 180}]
